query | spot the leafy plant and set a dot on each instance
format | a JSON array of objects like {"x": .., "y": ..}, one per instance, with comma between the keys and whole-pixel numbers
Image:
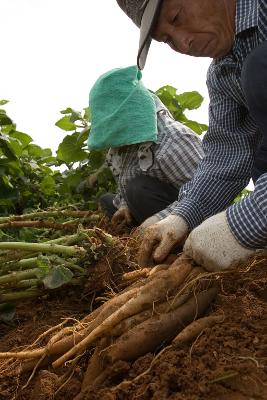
[
  {"x": 178, "y": 103},
  {"x": 86, "y": 175},
  {"x": 26, "y": 177},
  {"x": 31, "y": 177}
]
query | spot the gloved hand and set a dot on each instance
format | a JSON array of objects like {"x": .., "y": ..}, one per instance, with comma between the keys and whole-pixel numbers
[
  {"x": 149, "y": 221},
  {"x": 213, "y": 245},
  {"x": 163, "y": 235},
  {"x": 122, "y": 217}
]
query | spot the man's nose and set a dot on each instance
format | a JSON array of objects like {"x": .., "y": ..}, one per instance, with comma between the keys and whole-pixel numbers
[{"x": 181, "y": 41}]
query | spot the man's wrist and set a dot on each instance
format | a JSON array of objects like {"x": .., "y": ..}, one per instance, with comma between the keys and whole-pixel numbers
[{"x": 190, "y": 212}]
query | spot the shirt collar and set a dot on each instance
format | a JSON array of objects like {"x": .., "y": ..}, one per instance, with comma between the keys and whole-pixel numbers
[{"x": 246, "y": 15}]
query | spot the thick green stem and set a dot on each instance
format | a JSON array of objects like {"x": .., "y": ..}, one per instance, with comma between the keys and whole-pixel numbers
[
  {"x": 29, "y": 283},
  {"x": 22, "y": 264},
  {"x": 51, "y": 214},
  {"x": 68, "y": 240},
  {"x": 15, "y": 277},
  {"x": 17, "y": 296},
  {"x": 44, "y": 247}
]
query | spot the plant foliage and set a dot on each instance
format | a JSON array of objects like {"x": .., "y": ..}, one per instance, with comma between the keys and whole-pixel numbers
[{"x": 32, "y": 178}]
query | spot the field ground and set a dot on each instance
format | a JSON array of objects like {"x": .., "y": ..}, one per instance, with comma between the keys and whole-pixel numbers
[{"x": 225, "y": 362}]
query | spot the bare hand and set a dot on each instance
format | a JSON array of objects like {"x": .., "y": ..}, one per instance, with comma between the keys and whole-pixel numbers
[{"x": 122, "y": 217}]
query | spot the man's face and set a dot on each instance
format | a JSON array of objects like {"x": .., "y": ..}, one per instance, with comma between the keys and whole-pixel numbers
[{"x": 200, "y": 28}]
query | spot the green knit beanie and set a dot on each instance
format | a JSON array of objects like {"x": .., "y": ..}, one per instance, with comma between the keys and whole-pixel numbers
[{"x": 123, "y": 111}]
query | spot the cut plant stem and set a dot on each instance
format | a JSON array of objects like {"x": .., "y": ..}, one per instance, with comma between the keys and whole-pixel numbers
[
  {"x": 17, "y": 296},
  {"x": 38, "y": 224},
  {"x": 44, "y": 247},
  {"x": 33, "y": 262},
  {"x": 29, "y": 283},
  {"x": 51, "y": 214},
  {"x": 67, "y": 240},
  {"x": 18, "y": 276}
]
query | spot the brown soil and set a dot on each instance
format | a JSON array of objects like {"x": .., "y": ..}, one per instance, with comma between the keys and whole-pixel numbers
[{"x": 226, "y": 362}]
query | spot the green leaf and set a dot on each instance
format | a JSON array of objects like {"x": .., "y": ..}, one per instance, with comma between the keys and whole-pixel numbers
[
  {"x": 48, "y": 160},
  {"x": 75, "y": 116},
  {"x": 67, "y": 110},
  {"x": 196, "y": 126},
  {"x": 6, "y": 147},
  {"x": 71, "y": 181},
  {"x": 7, "y": 129},
  {"x": 11, "y": 167},
  {"x": 16, "y": 146},
  {"x": 87, "y": 114},
  {"x": 7, "y": 191},
  {"x": 167, "y": 96},
  {"x": 47, "y": 186},
  {"x": 66, "y": 124},
  {"x": 46, "y": 153},
  {"x": 170, "y": 90},
  {"x": 190, "y": 100},
  {"x": 57, "y": 277},
  {"x": 34, "y": 151},
  {"x": 83, "y": 135},
  {"x": 5, "y": 120},
  {"x": 96, "y": 158},
  {"x": 22, "y": 137},
  {"x": 70, "y": 150},
  {"x": 3, "y": 102}
]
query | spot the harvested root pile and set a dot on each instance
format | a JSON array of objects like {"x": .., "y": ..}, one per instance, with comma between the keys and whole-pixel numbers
[
  {"x": 167, "y": 301},
  {"x": 219, "y": 357},
  {"x": 29, "y": 270}
]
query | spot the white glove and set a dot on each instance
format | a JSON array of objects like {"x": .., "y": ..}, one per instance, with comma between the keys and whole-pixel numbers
[
  {"x": 149, "y": 221},
  {"x": 122, "y": 217},
  {"x": 213, "y": 245},
  {"x": 159, "y": 239}
]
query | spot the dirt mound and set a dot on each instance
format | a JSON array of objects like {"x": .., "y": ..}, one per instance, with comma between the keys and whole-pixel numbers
[{"x": 225, "y": 362}]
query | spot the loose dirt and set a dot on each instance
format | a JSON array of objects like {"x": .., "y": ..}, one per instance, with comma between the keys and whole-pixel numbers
[{"x": 225, "y": 362}]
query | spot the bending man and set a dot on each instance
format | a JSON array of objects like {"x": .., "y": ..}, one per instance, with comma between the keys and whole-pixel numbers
[{"x": 234, "y": 34}]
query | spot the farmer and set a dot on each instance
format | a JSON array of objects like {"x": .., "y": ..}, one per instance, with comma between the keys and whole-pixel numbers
[
  {"x": 234, "y": 34},
  {"x": 150, "y": 154}
]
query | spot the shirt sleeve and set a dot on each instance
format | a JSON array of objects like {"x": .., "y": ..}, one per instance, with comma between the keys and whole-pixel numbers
[
  {"x": 229, "y": 147},
  {"x": 248, "y": 218}
]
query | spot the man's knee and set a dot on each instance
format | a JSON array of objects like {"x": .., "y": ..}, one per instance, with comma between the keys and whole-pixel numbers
[
  {"x": 136, "y": 189},
  {"x": 106, "y": 203}
]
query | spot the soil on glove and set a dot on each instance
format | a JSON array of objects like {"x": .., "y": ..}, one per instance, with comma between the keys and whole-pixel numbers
[{"x": 225, "y": 362}]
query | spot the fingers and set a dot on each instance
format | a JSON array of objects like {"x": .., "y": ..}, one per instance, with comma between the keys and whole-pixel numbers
[
  {"x": 151, "y": 238},
  {"x": 164, "y": 247},
  {"x": 121, "y": 217},
  {"x": 188, "y": 250},
  {"x": 117, "y": 218},
  {"x": 128, "y": 217}
]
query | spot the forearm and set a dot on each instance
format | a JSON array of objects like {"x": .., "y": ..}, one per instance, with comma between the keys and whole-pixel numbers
[
  {"x": 248, "y": 218},
  {"x": 203, "y": 197}
]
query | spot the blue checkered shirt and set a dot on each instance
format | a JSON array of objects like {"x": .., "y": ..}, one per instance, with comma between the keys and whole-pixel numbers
[
  {"x": 173, "y": 159},
  {"x": 230, "y": 142}
]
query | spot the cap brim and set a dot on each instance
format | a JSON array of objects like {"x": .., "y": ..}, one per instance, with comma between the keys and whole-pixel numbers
[{"x": 147, "y": 24}]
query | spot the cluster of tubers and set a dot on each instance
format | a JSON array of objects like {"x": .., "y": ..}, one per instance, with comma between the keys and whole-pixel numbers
[{"x": 160, "y": 305}]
